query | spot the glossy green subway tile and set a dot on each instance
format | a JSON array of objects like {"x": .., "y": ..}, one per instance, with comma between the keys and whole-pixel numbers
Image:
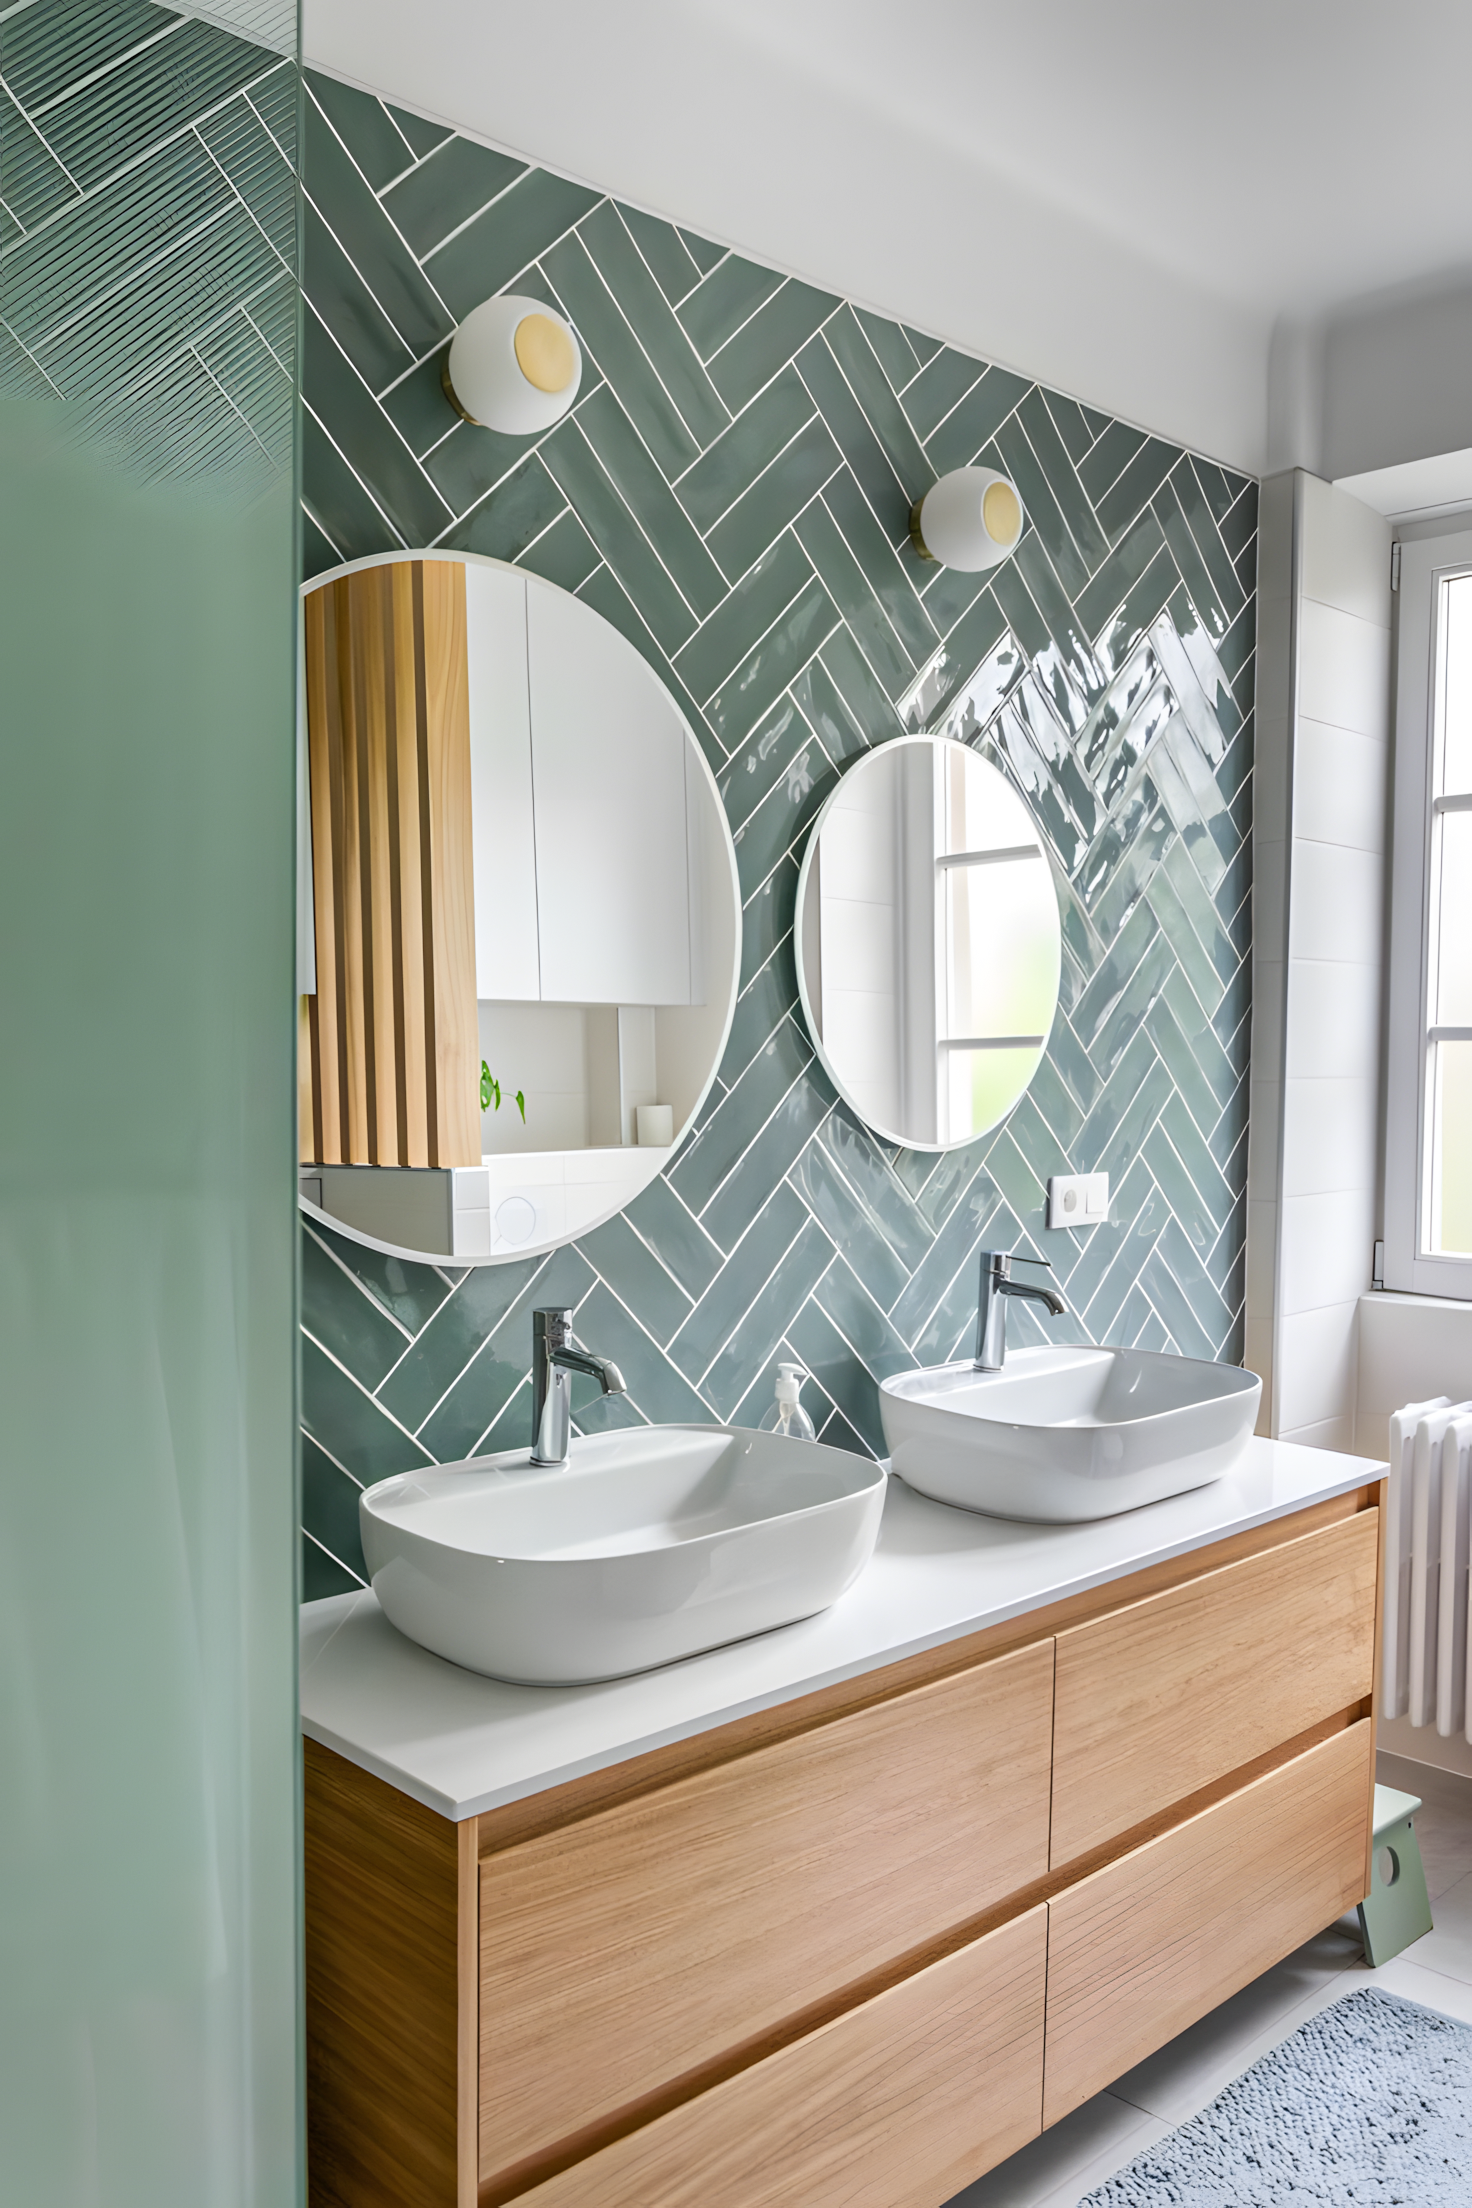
[
  {"x": 769, "y": 755},
  {"x": 365, "y": 127},
  {"x": 940, "y": 385},
  {"x": 778, "y": 495},
  {"x": 350, "y": 1424},
  {"x": 738, "y": 456},
  {"x": 885, "y": 574},
  {"x": 335, "y": 393},
  {"x": 255, "y": 381},
  {"x": 523, "y": 504},
  {"x": 636, "y": 1276},
  {"x": 871, "y": 465},
  {"x": 565, "y": 554},
  {"x": 412, "y": 1292},
  {"x": 768, "y": 341},
  {"x": 1129, "y": 1012},
  {"x": 350, "y": 1326},
  {"x": 872, "y": 710},
  {"x": 322, "y": 1575},
  {"x": 43, "y": 50},
  {"x": 515, "y": 230},
  {"x": 724, "y": 300},
  {"x": 647, "y": 311},
  {"x": 1044, "y": 515},
  {"x": 655, "y": 1383},
  {"x": 866, "y": 618},
  {"x": 330, "y": 1513},
  {"x": 664, "y": 251},
  {"x": 371, "y": 243},
  {"x": 1135, "y": 487},
  {"x": 457, "y": 181},
  {"x": 588, "y": 489},
  {"x": 751, "y": 1345},
  {"x": 337, "y": 501},
  {"x": 1061, "y": 476},
  {"x": 1118, "y": 575},
  {"x": 1215, "y": 557},
  {"x": 1108, "y": 457},
  {"x": 348, "y": 307},
  {"x": 882, "y": 410},
  {"x": 782, "y": 819},
  {"x": 853, "y": 1226},
  {"x": 970, "y": 427},
  {"x": 771, "y": 665},
  {"x": 769, "y": 995},
  {"x": 770, "y": 1233},
  {"x": 705, "y": 1162},
  {"x": 1072, "y": 425},
  {"x": 649, "y": 498},
  {"x": 822, "y": 705},
  {"x": 891, "y": 346},
  {"x": 419, "y": 410},
  {"x": 766, "y": 921},
  {"x": 704, "y": 252},
  {"x": 1198, "y": 967},
  {"x": 605, "y": 333},
  {"x": 833, "y": 1365},
  {"x": 748, "y": 612},
  {"x": 676, "y": 1237}
]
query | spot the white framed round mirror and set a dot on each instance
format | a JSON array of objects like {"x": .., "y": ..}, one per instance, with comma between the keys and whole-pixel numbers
[
  {"x": 519, "y": 918},
  {"x": 928, "y": 942}
]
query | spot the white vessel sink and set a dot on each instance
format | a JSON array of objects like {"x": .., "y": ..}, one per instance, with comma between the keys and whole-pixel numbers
[
  {"x": 1069, "y": 1432},
  {"x": 649, "y": 1544}
]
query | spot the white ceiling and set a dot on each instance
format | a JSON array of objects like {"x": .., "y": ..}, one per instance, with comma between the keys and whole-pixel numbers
[{"x": 1124, "y": 197}]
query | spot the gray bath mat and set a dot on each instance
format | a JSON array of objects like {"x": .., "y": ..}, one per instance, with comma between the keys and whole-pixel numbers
[{"x": 1368, "y": 2105}]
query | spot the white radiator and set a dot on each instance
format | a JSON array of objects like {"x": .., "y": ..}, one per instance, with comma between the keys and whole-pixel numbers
[{"x": 1427, "y": 1535}]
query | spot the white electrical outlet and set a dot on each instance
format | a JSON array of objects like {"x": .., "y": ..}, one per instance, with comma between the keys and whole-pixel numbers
[{"x": 1078, "y": 1199}]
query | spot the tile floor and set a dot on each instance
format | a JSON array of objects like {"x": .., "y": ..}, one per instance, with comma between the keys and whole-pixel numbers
[{"x": 1061, "y": 2168}]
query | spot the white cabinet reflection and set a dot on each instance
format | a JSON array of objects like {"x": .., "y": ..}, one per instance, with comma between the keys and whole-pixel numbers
[{"x": 928, "y": 942}]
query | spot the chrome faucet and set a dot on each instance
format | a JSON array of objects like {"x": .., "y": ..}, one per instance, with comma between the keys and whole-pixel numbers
[
  {"x": 997, "y": 1285},
  {"x": 554, "y": 1361}
]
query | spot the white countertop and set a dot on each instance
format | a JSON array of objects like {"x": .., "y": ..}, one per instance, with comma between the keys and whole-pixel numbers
[{"x": 462, "y": 1744}]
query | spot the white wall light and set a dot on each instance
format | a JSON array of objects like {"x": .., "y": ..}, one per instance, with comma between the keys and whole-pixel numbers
[
  {"x": 970, "y": 519},
  {"x": 514, "y": 366}
]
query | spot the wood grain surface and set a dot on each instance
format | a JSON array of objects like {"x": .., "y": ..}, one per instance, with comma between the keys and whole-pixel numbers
[
  {"x": 896, "y": 2104},
  {"x": 627, "y": 1950},
  {"x": 383, "y": 2012},
  {"x": 1148, "y": 1944},
  {"x": 1165, "y": 1695},
  {"x": 392, "y": 1037}
]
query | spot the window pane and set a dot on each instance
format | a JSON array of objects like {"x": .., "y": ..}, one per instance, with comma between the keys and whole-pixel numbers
[
  {"x": 1456, "y": 614},
  {"x": 1451, "y": 946},
  {"x": 982, "y": 1085},
  {"x": 1451, "y": 1179},
  {"x": 1001, "y": 948}
]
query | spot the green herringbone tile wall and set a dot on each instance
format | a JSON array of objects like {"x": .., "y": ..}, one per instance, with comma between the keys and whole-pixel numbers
[{"x": 733, "y": 491}]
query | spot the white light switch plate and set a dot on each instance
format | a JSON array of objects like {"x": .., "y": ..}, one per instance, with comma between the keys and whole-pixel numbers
[{"x": 1078, "y": 1199}]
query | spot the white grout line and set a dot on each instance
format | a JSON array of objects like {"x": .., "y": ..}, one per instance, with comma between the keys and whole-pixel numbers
[
  {"x": 321, "y": 1546},
  {"x": 366, "y": 1393},
  {"x": 336, "y": 1462}
]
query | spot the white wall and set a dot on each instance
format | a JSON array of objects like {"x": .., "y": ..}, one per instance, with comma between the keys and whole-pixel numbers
[
  {"x": 1382, "y": 383},
  {"x": 1319, "y": 845}
]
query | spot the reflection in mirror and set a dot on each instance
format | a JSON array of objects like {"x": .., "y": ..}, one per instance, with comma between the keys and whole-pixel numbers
[
  {"x": 523, "y": 923},
  {"x": 928, "y": 942}
]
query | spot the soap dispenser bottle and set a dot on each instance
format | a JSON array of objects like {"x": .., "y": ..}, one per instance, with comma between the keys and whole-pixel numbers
[{"x": 787, "y": 1415}]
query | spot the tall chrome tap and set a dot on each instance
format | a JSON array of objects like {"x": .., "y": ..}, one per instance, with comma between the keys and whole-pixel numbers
[
  {"x": 997, "y": 1285},
  {"x": 555, "y": 1358}
]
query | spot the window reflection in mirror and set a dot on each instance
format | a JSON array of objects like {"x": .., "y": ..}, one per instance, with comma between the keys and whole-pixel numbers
[
  {"x": 928, "y": 942},
  {"x": 521, "y": 919}
]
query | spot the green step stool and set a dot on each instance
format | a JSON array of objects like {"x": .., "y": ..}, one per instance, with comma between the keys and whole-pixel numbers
[{"x": 1396, "y": 1909}]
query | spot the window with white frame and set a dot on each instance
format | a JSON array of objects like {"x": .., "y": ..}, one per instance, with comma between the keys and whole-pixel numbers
[{"x": 1428, "y": 1164}]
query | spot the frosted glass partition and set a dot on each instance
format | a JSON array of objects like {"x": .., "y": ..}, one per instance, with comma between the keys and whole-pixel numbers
[{"x": 148, "y": 1753}]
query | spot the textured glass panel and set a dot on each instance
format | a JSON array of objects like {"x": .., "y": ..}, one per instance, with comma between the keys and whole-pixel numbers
[
  {"x": 148, "y": 1749},
  {"x": 1456, "y": 613},
  {"x": 1453, "y": 946},
  {"x": 1451, "y": 1177}
]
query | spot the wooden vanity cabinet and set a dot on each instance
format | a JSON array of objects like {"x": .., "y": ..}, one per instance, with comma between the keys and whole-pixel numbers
[{"x": 815, "y": 1956}]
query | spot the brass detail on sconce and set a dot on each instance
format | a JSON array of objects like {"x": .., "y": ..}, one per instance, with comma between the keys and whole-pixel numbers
[
  {"x": 915, "y": 537},
  {"x": 449, "y": 390}
]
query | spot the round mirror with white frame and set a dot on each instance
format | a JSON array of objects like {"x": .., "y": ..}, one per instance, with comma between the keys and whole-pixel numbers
[
  {"x": 928, "y": 942},
  {"x": 519, "y": 918}
]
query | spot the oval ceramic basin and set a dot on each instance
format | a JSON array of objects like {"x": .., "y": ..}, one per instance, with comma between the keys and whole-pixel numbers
[
  {"x": 1069, "y": 1432},
  {"x": 649, "y": 1544}
]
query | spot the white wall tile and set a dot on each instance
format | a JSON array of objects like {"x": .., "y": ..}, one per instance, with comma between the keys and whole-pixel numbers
[
  {"x": 1411, "y": 1347},
  {"x": 1343, "y": 669},
  {"x": 1327, "y": 1248},
  {"x": 1344, "y": 552},
  {"x": 1337, "y": 900},
  {"x": 1316, "y": 1366},
  {"x": 1330, "y": 1136},
  {"x": 1333, "y": 1027},
  {"x": 1341, "y": 785}
]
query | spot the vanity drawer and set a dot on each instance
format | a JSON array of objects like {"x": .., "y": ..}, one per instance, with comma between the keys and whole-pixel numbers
[
  {"x": 627, "y": 1951},
  {"x": 896, "y": 2104},
  {"x": 1147, "y": 1945},
  {"x": 1182, "y": 1689}
]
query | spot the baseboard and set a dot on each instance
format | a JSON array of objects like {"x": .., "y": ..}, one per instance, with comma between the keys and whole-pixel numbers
[{"x": 1423, "y": 1744}]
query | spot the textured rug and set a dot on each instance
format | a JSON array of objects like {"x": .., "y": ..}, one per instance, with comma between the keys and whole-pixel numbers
[{"x": 1368, "y": 2105}]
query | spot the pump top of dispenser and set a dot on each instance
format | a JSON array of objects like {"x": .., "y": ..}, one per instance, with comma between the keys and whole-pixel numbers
[{"x": 787, "y": 1415}]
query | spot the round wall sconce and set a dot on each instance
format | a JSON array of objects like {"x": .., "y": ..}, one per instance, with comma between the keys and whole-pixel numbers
[
  {"x": 970, "y": 519},
  {"x": 514, "y": 366}
]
